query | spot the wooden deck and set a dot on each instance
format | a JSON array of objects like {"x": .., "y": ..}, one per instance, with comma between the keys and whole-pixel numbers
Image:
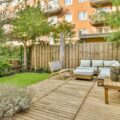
[{"x": 71, "y": 100}]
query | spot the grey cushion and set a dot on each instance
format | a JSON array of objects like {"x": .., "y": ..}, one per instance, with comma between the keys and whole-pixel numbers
[
  {"x": 104, "y": 73},
  {"x": 83, "y": 67},
  {"x": 93, "y": 68},
  {"x": 83, "y": 72},
  {"x": 85, "y": 63},
  {"x": 96, "y": 63},
  {"x": 108, "y": 63}
]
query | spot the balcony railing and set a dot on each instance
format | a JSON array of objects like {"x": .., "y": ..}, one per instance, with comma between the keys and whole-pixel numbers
[
  {"x": 52, "y": 9},
  {"x": 97, "y": 3},
  {"x": 98, "y": 19}
]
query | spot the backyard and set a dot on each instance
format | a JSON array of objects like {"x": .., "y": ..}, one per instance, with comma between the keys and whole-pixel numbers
[{"x": 57, "y": 67}]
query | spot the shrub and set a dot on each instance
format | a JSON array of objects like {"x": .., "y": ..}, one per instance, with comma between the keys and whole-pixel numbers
[
  {"x": 13, "y": 100},
  {"x": 5, "y": 68}
]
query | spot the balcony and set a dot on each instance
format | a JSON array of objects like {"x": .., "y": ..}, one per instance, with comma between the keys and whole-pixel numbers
[
  {"x": 98, "y": 19},
  {"x": 98, "y": 3},
  {"x": 95, "y": 35},
  {"x": 101, "y": 32},
  {"x": 52, "y": 9}
]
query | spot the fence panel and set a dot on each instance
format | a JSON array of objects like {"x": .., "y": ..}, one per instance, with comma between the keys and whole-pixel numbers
[{"x": 42, "y": 54}]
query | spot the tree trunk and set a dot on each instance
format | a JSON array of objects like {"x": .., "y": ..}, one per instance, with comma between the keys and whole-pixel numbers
[
  {"x": 25, "y": 56},
  {"x": 62, "y": 45}
]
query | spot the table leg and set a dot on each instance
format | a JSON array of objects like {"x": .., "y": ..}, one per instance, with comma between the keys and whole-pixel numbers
[{"x": 106, "y": 96}]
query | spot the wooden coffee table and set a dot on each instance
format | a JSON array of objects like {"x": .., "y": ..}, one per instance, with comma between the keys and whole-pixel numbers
[{"x": 109, "y": 84}]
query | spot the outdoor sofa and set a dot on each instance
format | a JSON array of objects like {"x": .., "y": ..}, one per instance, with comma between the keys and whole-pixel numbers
[{"x": 88, "y": 68}]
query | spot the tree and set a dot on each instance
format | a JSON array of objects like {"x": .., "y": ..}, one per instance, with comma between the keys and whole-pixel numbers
[
  {"x": 29, "y": 24},
  {"x": 66, "y": 28},
  {"x": 113, "y": 20},
  {"x": 7, "y": 13},
  {"x": 2, "y": 19},
  {"x": 65, "y": 31}
]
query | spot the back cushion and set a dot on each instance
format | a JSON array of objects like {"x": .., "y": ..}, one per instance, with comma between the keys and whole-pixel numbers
[
  {"x": 85, "y": 63},
  {"x": 96, "y": 63},
  {"x": 55, "y": 66},
  {"x": 108, "y": 63}
]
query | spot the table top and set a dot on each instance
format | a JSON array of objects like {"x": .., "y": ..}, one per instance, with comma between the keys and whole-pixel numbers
[{"x": 108, "y": 83}]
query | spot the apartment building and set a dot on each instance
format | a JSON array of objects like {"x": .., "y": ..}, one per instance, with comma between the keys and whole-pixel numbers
[{"x": 85, "y": 14}]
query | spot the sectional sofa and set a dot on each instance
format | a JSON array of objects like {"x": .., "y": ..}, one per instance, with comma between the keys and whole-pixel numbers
[{"x": 88, "y": 68}]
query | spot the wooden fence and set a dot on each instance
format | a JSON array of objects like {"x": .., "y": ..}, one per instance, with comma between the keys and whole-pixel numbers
[{"x": 42, "y": 54}]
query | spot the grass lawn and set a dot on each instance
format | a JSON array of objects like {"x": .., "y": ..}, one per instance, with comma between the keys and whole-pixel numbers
[{"x": 24, "y": 79}]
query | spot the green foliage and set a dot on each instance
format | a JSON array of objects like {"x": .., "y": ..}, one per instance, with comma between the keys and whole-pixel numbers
[
  {"x": 113, "y": 20},
  {"x": 116, "y": 2},
  {"x": 9, "y": 52},
  {"x": 6, "y": 53},
  {"x": 66, "y": 28},
  {"x": 1, "y": 35},
  {"x": 3, "y": 21},
  {"x": 5, "y": 68},
  {"x": 29, "y": 24},
  {"x": 99, "y": 17}
]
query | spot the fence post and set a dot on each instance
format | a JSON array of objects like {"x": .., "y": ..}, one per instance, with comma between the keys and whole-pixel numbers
[
  {"x": 21, "y": 55},
  {"x": 62, "y": 54}
]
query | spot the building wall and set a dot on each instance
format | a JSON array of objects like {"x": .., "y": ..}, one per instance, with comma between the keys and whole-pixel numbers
[{"x": 74, "y": 9}]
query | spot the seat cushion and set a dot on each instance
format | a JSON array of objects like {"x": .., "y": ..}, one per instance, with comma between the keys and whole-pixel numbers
[
  {"x": 83, "y": 67},
  {"x": 96, "y": 63},
  {"x": 93, "y": 68},
  {"x": 83, "y": 71},
  {"x": 105, "y": 72},
  {"x": 85, "y": 63}
]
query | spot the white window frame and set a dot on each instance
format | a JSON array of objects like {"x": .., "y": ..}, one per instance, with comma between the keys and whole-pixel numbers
[
  {"x": 103, "y": 29},
  {"x": 81, "y": 16},
  {"x": 83, "y": 31},
  {"x": 81, "y": 1},
  {"x": 105, "y": 9},
  {"x": 67, "y": 19},
  {"x": 68, "y": 3}
]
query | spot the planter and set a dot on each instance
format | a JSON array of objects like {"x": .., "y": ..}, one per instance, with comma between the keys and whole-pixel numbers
[{"x": 114, "y": 73}]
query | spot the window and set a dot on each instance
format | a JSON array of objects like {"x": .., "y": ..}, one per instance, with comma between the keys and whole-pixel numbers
[
  {"x": 83, "y": 16},
  {"x": 68, "y": 17},
  {"x": 103, "y": 29},
  {"x": 52, "y": 19},
  {"x": 83, "y": 31},
  {"x": 106, "y": 9},
  {"x": 82, "y": 0},
  {"x": 68, "y": 2}
]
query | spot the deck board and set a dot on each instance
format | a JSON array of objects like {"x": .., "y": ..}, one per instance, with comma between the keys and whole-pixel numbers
[{"x": 71, "y": 100}]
